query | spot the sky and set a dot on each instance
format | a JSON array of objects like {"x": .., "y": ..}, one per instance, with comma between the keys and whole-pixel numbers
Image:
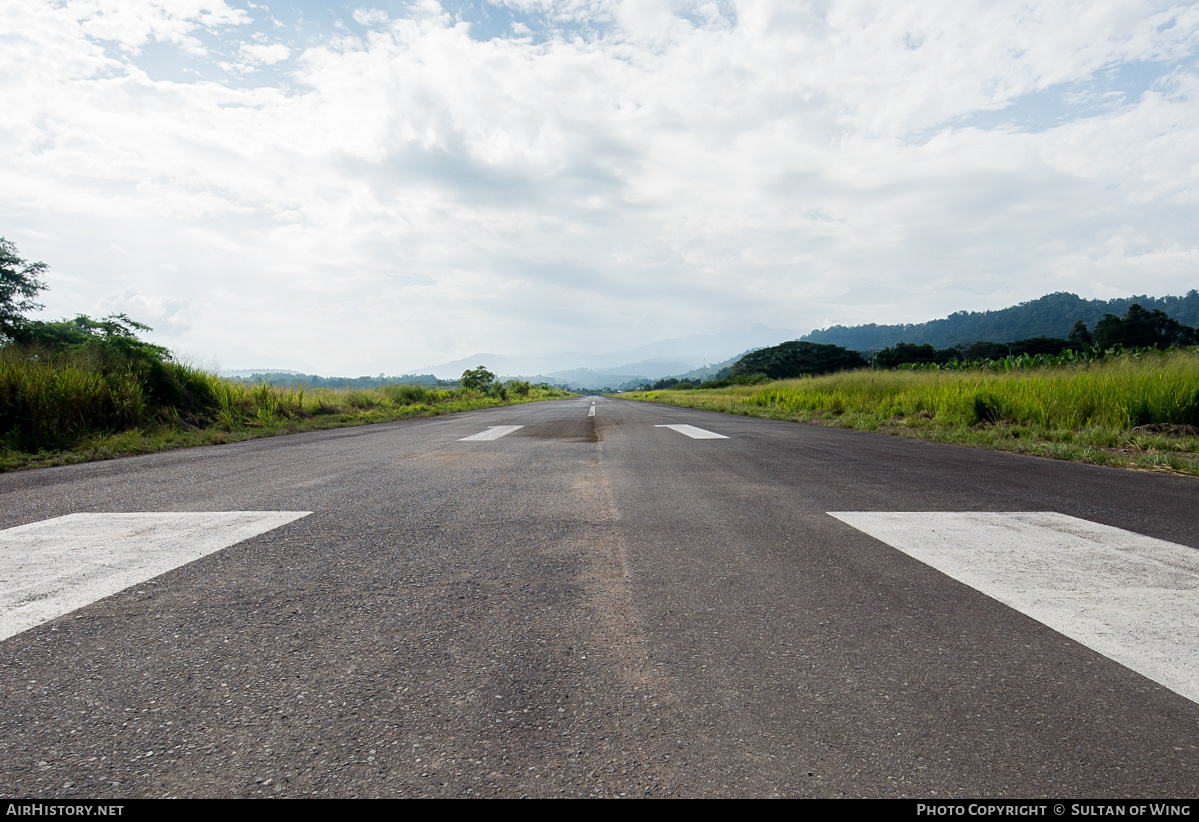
[{"x": 345, "y": 189}]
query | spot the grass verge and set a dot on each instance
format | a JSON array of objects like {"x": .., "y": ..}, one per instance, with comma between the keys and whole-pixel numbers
[
  {"x": 55, "y": 412},
  {"x": 1136, "y": 411}
]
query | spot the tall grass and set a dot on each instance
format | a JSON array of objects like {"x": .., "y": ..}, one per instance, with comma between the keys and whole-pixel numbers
[
  {"x": 1121, "y": 393},
  {"x": 1097, "y": 404},
  {"x": 55, "y": 402},
  {"x": 49, "y": 402}
]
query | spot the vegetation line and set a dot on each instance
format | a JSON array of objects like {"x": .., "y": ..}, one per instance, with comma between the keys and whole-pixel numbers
[
  {"x": 1139, "y": 409},
  {"x": 59, "y": 409}
]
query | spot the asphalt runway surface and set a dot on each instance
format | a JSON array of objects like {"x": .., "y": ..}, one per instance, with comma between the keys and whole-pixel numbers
[{"x": 588, "y": 603}]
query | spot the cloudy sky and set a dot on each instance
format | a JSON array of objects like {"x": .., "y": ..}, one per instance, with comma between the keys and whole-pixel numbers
[{"x": 360, "y": 189}]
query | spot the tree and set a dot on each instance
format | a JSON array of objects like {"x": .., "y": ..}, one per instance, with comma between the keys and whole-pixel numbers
[
  {"x": 1139, "y": 328},
  {"x": 1080, "y": 335},
  {"x": 114, "y": 338},
  {"x": 902, "y": 353},
  {"x": 20, "y": 283},
  {"x": 795, "y": 359},
  {"x": 477, "y": 379}
]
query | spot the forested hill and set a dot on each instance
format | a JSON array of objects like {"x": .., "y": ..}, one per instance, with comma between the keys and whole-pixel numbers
[{"x": 1051, "y": 316}]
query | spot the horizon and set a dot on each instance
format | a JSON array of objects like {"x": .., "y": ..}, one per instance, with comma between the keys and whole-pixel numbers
[{"x": 479, "y": 359}]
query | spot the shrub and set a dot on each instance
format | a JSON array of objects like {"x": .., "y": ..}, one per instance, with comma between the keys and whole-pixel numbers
[{"x": 406, "y": 394}]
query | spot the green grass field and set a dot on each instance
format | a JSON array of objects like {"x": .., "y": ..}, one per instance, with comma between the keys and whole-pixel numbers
[
  {"x": 57, "y": 409},
  {"x": 1136, "y": 410}
]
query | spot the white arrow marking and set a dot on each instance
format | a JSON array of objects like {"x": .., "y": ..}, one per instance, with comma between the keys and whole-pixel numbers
[
  {"x": 52, "y": 567},
  {"x": 493, "y": 432},
  {"x": 693, "y": 432},
  {"x": 1132, "y": 598}
]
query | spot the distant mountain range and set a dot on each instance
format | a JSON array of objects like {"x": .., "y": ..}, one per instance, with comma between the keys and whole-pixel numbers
[
  {"x": 1052, "y": 316},
  {"x": 611, "y": 370},
  {"x": 697, "y": 355}
]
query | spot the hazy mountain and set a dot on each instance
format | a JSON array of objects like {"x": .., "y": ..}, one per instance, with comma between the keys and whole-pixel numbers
[{"x": 656, "y": 360}]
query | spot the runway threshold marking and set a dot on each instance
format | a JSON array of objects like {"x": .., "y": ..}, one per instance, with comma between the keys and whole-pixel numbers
[
  {"x": 493, "y": 432},
  {"x": 694, "y": 433},
  {"x": 1132, "y": 598},
  {"x": 55, "y": 566}
]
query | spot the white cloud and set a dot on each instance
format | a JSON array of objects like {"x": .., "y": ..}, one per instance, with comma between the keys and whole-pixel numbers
[
  {"x": 370, "y": 17},
  {"x": 132, "y": 23},
  {"x": 267, "y": 54},
  {"x": 420, "y": 194}
]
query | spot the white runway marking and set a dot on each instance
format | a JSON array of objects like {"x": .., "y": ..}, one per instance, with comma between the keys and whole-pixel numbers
[
  {"x": 493, "y": 432},
  {"x": 1130, "y": 597},
  {"x": 52, "y": 567},
  {"x": 591, "y": 413},
  {"x": 693, "y": 432}
]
